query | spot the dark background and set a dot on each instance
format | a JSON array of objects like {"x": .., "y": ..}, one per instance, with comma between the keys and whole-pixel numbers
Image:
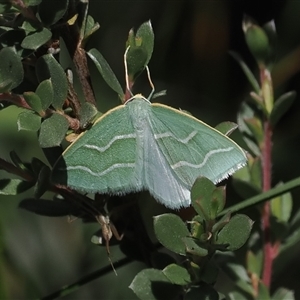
[{"x": 191, "y": 61}]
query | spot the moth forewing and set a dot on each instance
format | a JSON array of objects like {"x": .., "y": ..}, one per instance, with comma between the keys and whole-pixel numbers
[{"x": 193, "y": 148}]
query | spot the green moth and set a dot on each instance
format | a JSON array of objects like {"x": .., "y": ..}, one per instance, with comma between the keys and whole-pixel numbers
[{"x": 147, "y": 146}]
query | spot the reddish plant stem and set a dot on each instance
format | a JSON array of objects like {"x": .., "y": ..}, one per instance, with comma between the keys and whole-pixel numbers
[
  {"x": 10, "y": 168},
  {"x": 18, "y": 100},
  {"x": 266, "y": 169}
]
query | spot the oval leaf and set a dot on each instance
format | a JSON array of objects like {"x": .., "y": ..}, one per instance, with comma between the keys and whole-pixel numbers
[
  {"x": 153, "y": 284},
  {"x": 45, "y": 92},
  {"x": 236, "y": 232},
  {"x": 28, "y": 120},
  {"x": 87, "y": 112},
  {"x": 207, "y": 199},
  {"x": 34, "y": 101},
  {"x": 11, "y": 68},
  {"x": 53, "y": 131},
  {"x": 177, "y": 274},
  {"x": 170, "y": 230},
  {"x": 47, "y": 67},
  {"x": 34, "y": 40}
]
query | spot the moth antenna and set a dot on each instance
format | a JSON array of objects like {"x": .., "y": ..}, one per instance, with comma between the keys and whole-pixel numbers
[
  {"x": 126, "y": 72},
  {"x": 150, "y": 82}
]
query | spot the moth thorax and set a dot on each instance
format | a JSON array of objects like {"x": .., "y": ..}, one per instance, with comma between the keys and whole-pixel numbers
[{"x": 139, "y": 113}]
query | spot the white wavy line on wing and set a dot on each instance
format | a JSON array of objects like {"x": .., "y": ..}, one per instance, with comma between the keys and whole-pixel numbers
[
  {"x": 207, "y": 156},
  {"x": 99, "y": 174},
  {"x": 170, "y": 134},
  {"x": 115, "y": 138}
]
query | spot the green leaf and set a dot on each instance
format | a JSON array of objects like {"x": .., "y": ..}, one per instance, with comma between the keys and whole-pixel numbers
[
  {"x": 152, "y": 284},
  {"x": 193, "y": 248},
  {"x": 207, "y": 199},
  {"x": 47, "y": 67},
  {"x": 281, "y": 207},
  {"x": 237, "y": 295},
  {"x": 5, "y": 7},
  {"x": 258, "y": 199},
  {"x": 47, "y": 207},
  {"x": 11, "y": 68},
  {"x": 34, "y": 40},
  {"x": 197, "y": 227},
  {"x": 45, "y": 92},
  {"x": 263, "y": 292},
  {"x": 90, "y": 27},
  {"x": 257, "y": 40},
  {"x": 226, "y": 127},
  {"x": 14, "y": 38},
  {"x": 106, "y": 72},
  {"x": 34, "y": 101},
  {"x": 254, "y": 263},
  {"x": 270, "y": 30},
  {"x": 238, "y": 274},
  {"x": 140, "y": 51},
  {"x": 16, "y": 160},
  {"x": 30, "y": 26},
  {"x": 87, "y": 112},
  {"x": 170, "y": 230},
  {"x": 248, "y": 112},
  {"x": 255, "y": 126},
  {"x": 5, "y": 86},
  {"x": 51, "y": 11},
  {"x": 13, "y": 187},
  {"x": 42, "y": 183},
  {"x": 236, "y": 232},
  {"x": 283, "y": 294},
  {"x": 28, "y": 120},
  {"x": 177, "y": 274},
  {"x": 251, "y": 78},
  {"x": 53, "y": 131},
  {"x": 281, "y": 106},
  {"x": 221, "y": 223},
  {"x": 210, "y": 272}
]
